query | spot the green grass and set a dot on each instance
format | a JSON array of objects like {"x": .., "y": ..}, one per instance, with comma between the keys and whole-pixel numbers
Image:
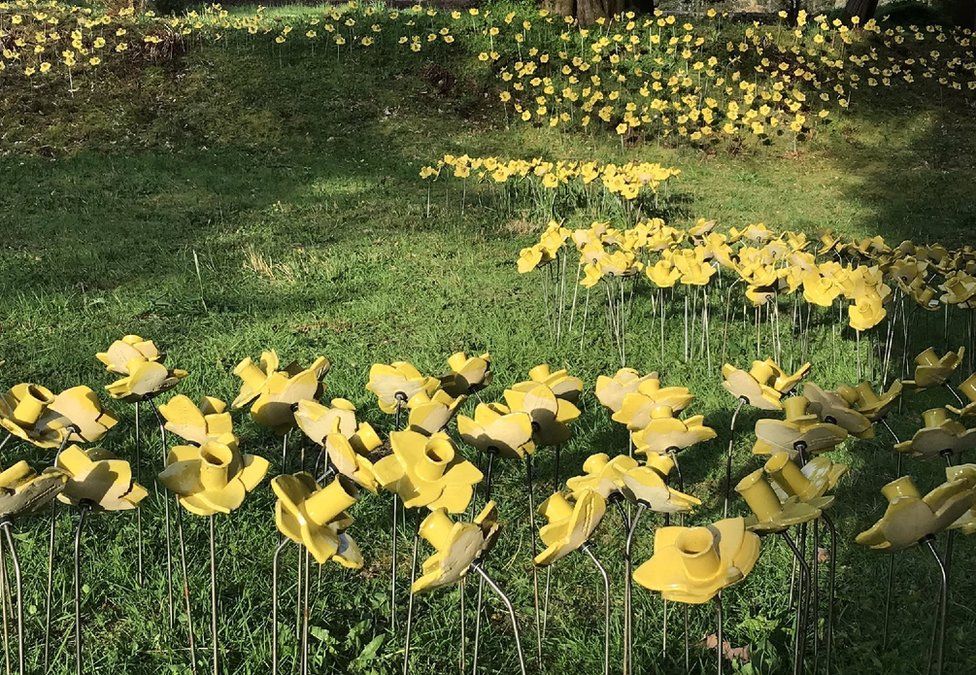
[{"x": 293, "y": 180}]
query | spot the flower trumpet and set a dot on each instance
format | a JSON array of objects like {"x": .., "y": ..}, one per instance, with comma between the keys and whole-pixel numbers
[
  {"x": 939, "y": 436},
  {"x": 198, "y": 423},
  {"x": 931, "y": 370},
  {"x": 23, "y": 491},
  {"x": 469, "y": 374},
  {"x": 769, "y": 513}
]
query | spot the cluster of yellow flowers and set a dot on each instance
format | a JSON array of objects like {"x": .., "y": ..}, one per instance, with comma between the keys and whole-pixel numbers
[
  {"x": 627, "y": 181},
  {"x": 769, "y": 265},
  {"x": 664, "y": 76}
]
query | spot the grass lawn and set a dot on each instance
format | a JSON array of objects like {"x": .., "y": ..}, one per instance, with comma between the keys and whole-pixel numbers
[{"x": 245, "y": 198}]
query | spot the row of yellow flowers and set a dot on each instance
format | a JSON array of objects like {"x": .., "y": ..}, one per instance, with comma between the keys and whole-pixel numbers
[
  {"x": 627, "y": 180},
  {"x": 767, "y": 264}
]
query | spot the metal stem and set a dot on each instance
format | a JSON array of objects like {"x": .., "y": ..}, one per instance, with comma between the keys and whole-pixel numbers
[
  {"x": 953, "y": 391},
  {"x": 49, "y": 589},
  {"x": 78, "y": 639},
  {"x": 728, "y": 459},
  {"x": 393, "y": 563},
  {"x": 511, "y": 613},
  {"x": 18, "y": 584},
  {"x": 213, "y": 595},
  {"x": 413, "y": 577},
  {"x": 815, "y": 587},
  {"x": 186, "y": 591},
  {"x": 138, "y": 469},
  {"x": 481, "y": 582},
  {"x": 170, "y": 607},
  {"x": 721, "y": 639},
  {"x": 305, "y": 614},
  {"x": 535, "y": 570},
  {"x": 938, "y": 628},
  {"x": 799, "y": 638},
  {"x": 274, "y": 605},
  {"x": 629, "y": 590},
  {"x": 606, "y": 608},
  {"x": 831, "y": 592},
  {"x": 4, "y": 599}
]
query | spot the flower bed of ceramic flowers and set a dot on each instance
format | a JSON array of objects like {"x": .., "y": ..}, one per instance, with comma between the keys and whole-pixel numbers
[{"x": 640, "y": 76}]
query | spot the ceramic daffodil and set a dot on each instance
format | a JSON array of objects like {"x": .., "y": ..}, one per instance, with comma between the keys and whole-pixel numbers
[
  {"x": 807, "y": 483},
  {"x": 562, "y": 384},
  {"x": 763, "y": 385},
  {"x": 569, "y": 525},
  {"x": 212, "y": 478},
  {"x": 457, "y": 545},
  {"x": 646, "y": 484},
  {"x": 931, "y": 370},
  {"x": 23, "y": 491},
  {"x": 426, "y": 471},
  {"x": 666, "y": 433},
  {"x": 395, "y": 384},
  {"x": 198, "y": 423},
  {"x": 254, "y": 377},
  {"x": 431, "y": 414},
  {"x": 867, "y": 402},
  {"x": 692, "y": 564},
  {"x": 141, "y": 365},
  {"x": 832, "y": 407},
  {"x": 98, "y": 479},
  {"x": 315, "y": 517},
  {"x": 968, "y": 389},
  {"x": 910, "y": 517},
  {"x": 34, "y": 414},
  {"x": 799, "y": 432},
  {"x": 275, "y": 405},
  {"x": 637, "y": 407},
  {"x": 610, "y": 391},
  {"x": 940, "y": 436},
  {"x": 769, "y": 513},
  {"x": 602, "y": 475},
  {"x": 550, "y": 414},
  {"x": 352, "y": 456},
  {"x": 318, "y": 421},
  {"x": 469, "y": 374},
  {"x": 496, "y": 429}
]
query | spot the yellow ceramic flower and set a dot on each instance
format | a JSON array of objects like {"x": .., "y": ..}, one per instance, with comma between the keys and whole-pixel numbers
[
  {"x": 140, "y": 362},
  {"x": 866, "y": 312},
  {"x": 665, "y": 432},
  {"x": 550, "y": 414},
  {"x": 426, "y": 471},
  {"x": 692, "y": 564},
  {"x": 495, "y": 429},
  {"x": 910, "y": 517},
  {"x": 318, "y": 421},
  {"x": 754, "y": 385},
  {"x": 864, "y": 399},
  {"x": 430, "y": 414},
  {"x": 610, "y": 391},
  {"x": 254, "y": 377},
  {"x": 83, "y": 414},
  {"x": 832, "y": 407},
  {"x": 351, "y": 455},
  {"x": 395, "y": 384},
  {"x": 769, "y": 514},
  {"x": 468, "y": 375},
  {"x": 274, "y": 408},
  {"x": 638, "y": 407},
  {"x": 457, "y": 545},
  {"x": 799, "y": 432},
  {"x": 807, "y": 483},
  {"x": 965, "y": 472},
  {"x": 208, "y": 421},
  {"x": 562, "y": 384},
  {"x": 25, "y": 412},
  {"x": 601, "y": 475},
  {"x": 646, "y": 485},
  {"x": 569, "y": 525},
  {"x": 23, "y": 491},
  {"x": 968, "y": 389},
  {"x": 130, "y": 348},
  {"x": 98, "y": 479},
  {"x": 315, "y": 517},
  {"x": 939, "y": 436},
  {"x": 212, "y": 478},
  {"x": 933, "y": 371}
]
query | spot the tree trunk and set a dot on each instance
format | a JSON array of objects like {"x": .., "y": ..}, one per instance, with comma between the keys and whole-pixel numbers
[
  {"x": 863, "y": 9},
  {"x": 588, "y": 11}
]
